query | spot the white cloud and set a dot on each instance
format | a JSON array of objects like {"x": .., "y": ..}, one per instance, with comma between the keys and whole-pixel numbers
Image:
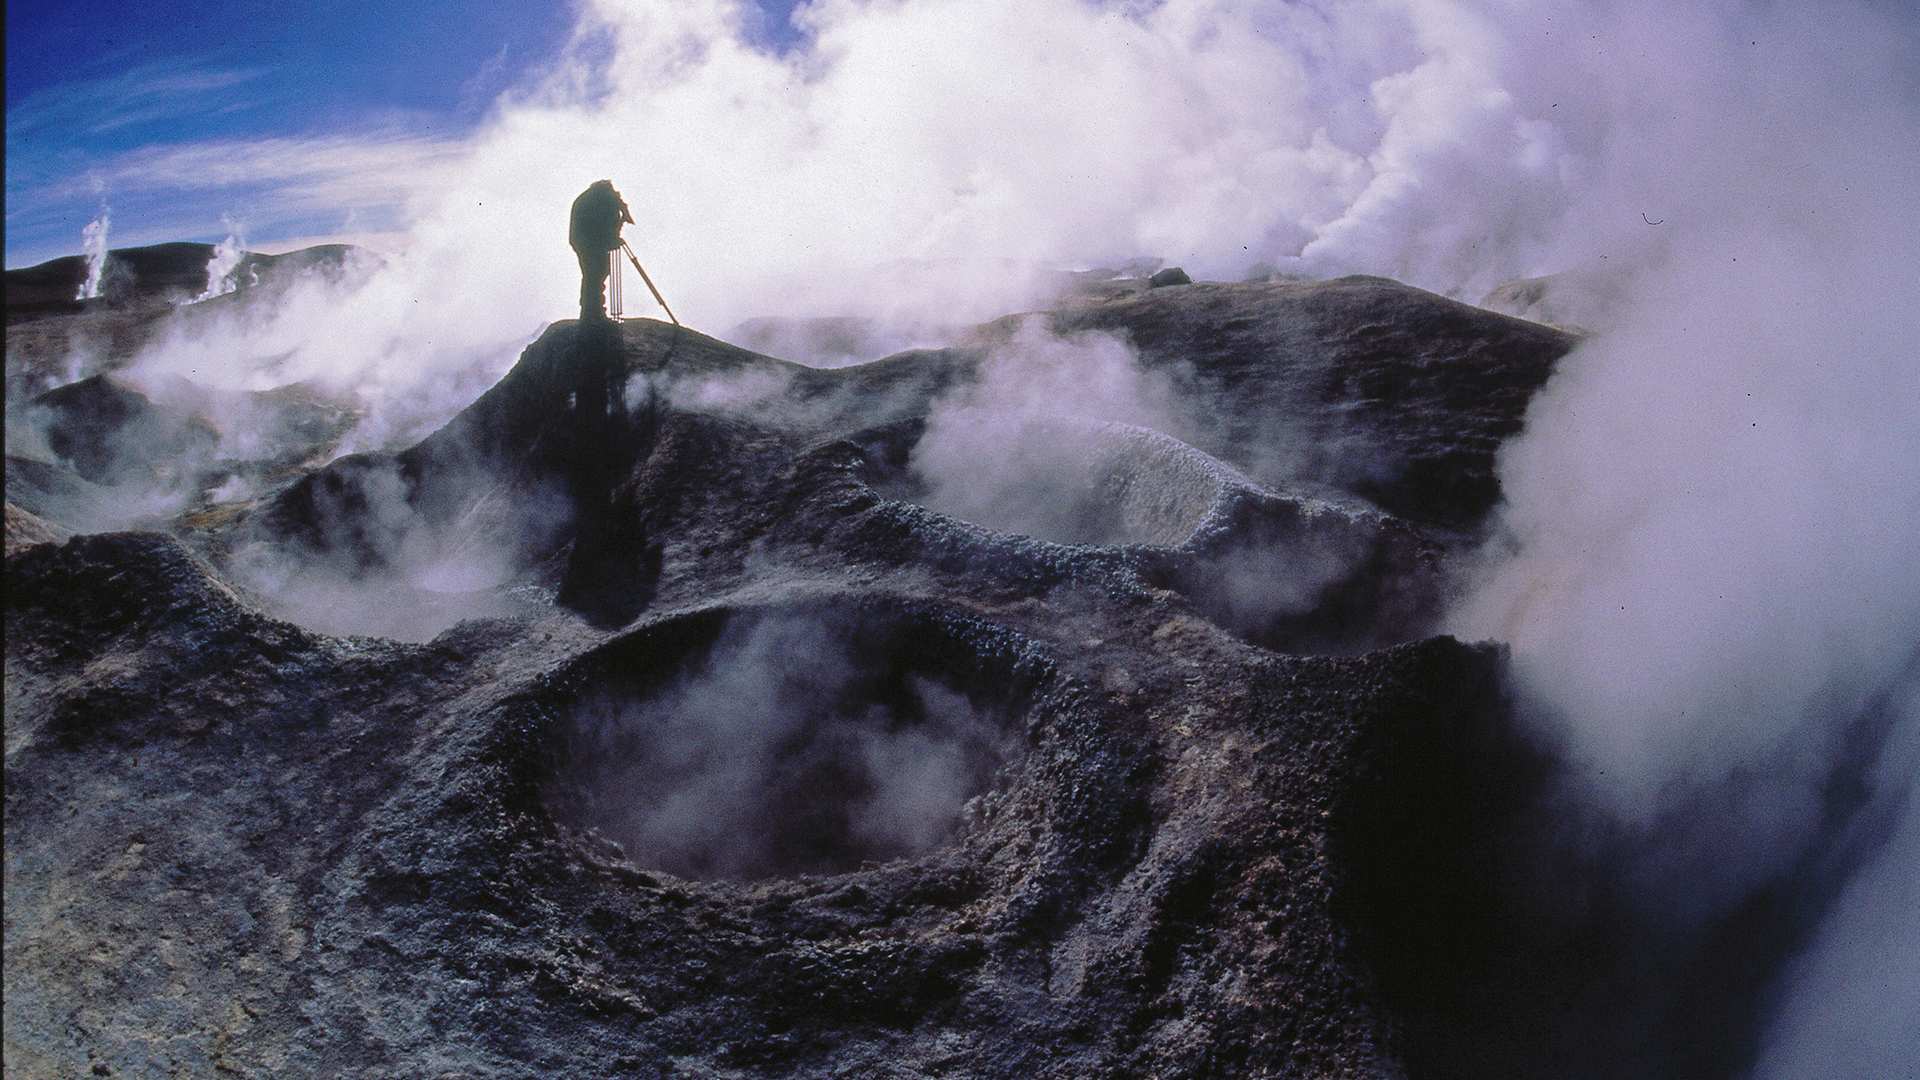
[
  {"x": 303, "y": 173},
  {"x": 147, "y": 92}
]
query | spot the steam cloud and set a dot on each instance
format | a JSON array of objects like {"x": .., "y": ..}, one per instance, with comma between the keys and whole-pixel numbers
[
  {"x": 387, "y": 571},
  {"x": 93, "y": 246},
  {"x": 1430, "y": 141},
  {"x": 1409, "y": 139},
  {"x": 223, "y": 268},
  {"x": 1017, "y": 449},
  {"x": 781, "y": 753},
  {"x": 1705, "y": 565}
]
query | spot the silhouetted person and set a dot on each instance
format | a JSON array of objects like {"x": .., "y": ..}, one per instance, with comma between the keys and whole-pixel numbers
[
  {"x": 610, "y": 572},
  {"x": 594, "y": 232}
]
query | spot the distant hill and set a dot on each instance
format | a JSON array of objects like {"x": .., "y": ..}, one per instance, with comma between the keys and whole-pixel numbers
[{"x": 138, "y": 275}]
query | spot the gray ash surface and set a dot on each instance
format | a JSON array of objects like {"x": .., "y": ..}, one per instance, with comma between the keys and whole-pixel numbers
[{"x": 741, "y": 761}]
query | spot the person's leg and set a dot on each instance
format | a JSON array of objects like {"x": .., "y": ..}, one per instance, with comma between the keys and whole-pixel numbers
[{"x": 593, "y": 283}]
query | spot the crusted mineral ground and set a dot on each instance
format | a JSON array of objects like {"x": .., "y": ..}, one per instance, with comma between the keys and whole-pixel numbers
[{"x": 743, "y": 757}]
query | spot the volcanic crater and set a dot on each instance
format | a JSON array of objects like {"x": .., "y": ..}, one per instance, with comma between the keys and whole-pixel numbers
[{"x": 812, "y": 740}]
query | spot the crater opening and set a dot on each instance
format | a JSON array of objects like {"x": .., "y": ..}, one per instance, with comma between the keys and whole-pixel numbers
[
  {"x": 1065, "y": 480},
  {"x": 1295, "y": 573},
  {"x": 775, "y": 744},
  {"x": 1300, "y": 574}
]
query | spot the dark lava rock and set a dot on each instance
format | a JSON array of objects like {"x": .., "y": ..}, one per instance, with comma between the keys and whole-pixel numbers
[
  {"x": 799, "y": 776},
  {"x": 357, "y": 866},
  {"x": 1375, "y": 388},
  {"x": 1172, "y": 275},
  {"x": 107, "y": 429}
]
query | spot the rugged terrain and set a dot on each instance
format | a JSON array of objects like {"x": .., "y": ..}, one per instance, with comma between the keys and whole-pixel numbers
[{"x": 745, "y": 754}]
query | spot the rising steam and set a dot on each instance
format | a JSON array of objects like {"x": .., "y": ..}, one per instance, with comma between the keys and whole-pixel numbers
[
  {"x": 1704, "y": 565},
  {"x": 784, "y": 751},
  {"x": 93, "y": 246},
  {"x": 224, "y": 267},
  {"x": 1016, "y": 449}
]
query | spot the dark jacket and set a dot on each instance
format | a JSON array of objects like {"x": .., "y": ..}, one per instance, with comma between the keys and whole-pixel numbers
[{"x": 597, "y": 216}]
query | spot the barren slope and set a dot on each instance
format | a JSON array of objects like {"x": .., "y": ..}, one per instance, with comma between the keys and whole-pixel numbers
[{"x": 1027, "y": 808}]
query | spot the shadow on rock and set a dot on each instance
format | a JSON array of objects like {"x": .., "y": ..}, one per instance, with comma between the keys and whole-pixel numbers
[
  {"x": 1516, "y": 930},
  {"x": 611, "y": 569}
]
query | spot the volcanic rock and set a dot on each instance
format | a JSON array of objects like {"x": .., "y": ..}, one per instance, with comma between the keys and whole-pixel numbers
[
  {"x": 105, "y": 429},
  {"x": 1364, "y": 385},
  {"x": 1172, "y": 275},
  {"x": 24, "y": 529},
  {"x": 766, "y": 765}
]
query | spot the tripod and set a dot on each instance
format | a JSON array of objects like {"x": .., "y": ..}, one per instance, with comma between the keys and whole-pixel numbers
[{"x": 635, "y": 259}]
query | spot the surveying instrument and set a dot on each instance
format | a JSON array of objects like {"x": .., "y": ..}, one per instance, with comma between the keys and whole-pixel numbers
[{"x": 616, "y": 295}]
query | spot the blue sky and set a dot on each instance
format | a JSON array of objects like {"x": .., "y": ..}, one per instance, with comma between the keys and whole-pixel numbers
[{"x": 291, "y": 119}]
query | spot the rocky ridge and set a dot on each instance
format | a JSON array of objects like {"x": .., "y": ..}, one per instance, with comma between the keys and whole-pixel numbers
[{"x": 235, "y": 843}]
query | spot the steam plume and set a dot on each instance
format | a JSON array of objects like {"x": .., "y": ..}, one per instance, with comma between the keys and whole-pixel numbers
[
  {"x": 1704, "y": 567},
  {"x": 93, "y": 245},
  {"x": 224, "y": 266}
]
